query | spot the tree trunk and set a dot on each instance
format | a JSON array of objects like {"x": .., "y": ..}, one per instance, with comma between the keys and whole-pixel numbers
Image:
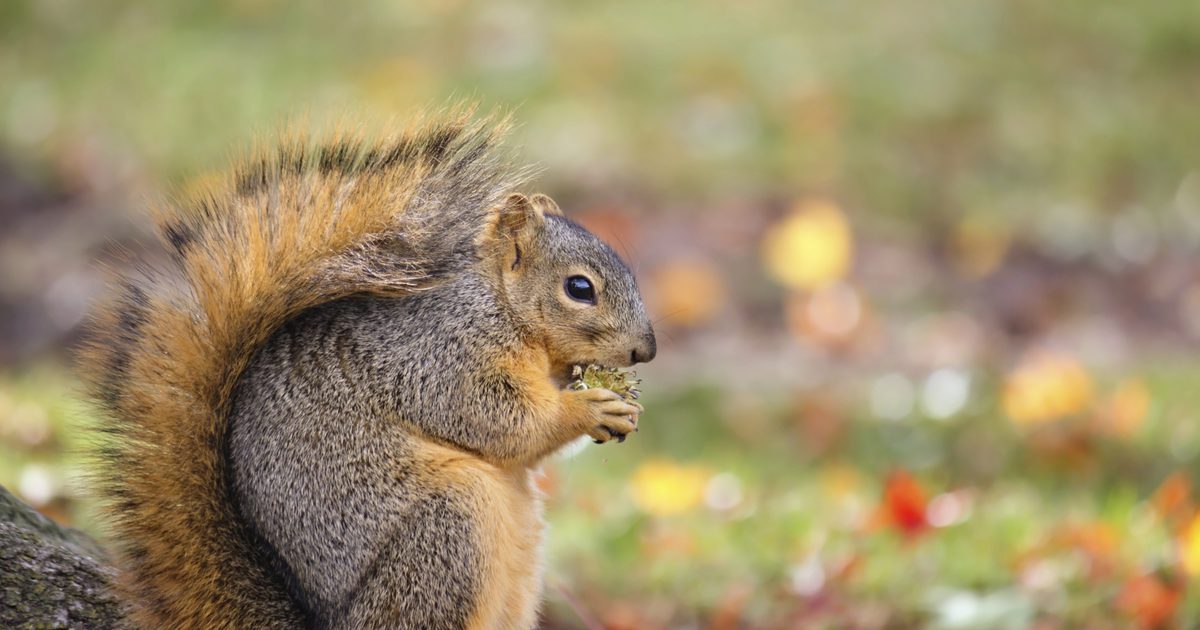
[{"x": 51, "y": 576}]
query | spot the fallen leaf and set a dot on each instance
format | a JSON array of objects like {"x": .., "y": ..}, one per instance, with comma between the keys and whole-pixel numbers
[{"x": 810, "y": 248}]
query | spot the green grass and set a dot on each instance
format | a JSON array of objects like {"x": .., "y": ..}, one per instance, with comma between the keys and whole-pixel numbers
[{"x": 799, "y": 531}]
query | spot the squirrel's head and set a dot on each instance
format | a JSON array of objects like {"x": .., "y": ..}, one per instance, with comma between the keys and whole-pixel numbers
[{"x": 567, "y": 289}]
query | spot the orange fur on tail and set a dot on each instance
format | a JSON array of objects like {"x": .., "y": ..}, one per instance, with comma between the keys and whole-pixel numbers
[{"x": 288, "y": 229}]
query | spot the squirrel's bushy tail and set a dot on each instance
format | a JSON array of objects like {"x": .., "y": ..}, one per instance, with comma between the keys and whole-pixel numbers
[{"x": 294, "y": 226}]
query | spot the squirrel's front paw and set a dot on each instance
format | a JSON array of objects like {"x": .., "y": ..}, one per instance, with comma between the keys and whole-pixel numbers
[{"x": 607, "y": 415}]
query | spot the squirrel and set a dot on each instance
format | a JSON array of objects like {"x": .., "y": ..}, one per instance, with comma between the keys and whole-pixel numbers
[{"x": 327, "y": 407}]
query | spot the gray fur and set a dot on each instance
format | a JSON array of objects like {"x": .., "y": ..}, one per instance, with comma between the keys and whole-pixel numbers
[
  {"x": 327, "y": 416},
  {"x": 425, "y": 575},
  {"x": 320, "y": 425}
]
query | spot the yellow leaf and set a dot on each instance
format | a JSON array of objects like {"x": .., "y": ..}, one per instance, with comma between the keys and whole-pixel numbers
[
  {"x": 841, "y": 481},
  {"x": 1046, "y": 387},
  {"x": 810, "y": 248},
  {"x": 663, "y": 488},
  {"x": 1189, "y": 547}
]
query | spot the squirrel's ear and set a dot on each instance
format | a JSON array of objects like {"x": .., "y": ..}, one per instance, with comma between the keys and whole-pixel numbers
[
  {"x": 515, "y": 215},
  {"x": 545, "y": 205},
  {"x": 513, "y": 225}
]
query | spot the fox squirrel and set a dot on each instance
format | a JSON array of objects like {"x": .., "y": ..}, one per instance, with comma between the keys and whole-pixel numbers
[{"x": 327, "y": 412}]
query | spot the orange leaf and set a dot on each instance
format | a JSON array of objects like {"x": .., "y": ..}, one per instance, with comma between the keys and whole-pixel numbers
[
  {"x": 687, "y": 292},
  {"x": 1129, "y": 407},
  {"x": 1096, "y": 541},
  {"x": 830, "y": 316},
  {"x": 1172, "y": 501},
  {"x": 1150, "y": 600},
  {"x": 729, "y": 612}
]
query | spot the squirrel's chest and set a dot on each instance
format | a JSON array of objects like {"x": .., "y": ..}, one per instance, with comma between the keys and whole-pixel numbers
[{"x": 512, "y": 581}]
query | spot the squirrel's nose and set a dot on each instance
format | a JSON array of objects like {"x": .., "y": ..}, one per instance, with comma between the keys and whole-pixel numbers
[{"x": 646, "y": 351}]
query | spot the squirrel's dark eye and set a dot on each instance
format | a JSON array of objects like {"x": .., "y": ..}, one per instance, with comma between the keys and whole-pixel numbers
[{"x": 580, "y": 289}]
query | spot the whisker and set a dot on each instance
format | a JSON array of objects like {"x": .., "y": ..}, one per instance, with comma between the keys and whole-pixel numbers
[
  {"x": 664, "y": 317},
  {"x": 588, "y": 620},
  {"x": 636, "y": 262}
]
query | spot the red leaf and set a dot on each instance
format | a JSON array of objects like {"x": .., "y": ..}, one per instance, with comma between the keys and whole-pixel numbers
[{"x": 904, "y": 502}]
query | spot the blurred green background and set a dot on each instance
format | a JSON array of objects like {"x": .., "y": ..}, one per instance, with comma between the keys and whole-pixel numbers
[{"x": 926, "y": 276}]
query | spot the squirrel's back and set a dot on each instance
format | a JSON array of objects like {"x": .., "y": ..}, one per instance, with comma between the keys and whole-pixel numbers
[{"x": 294, "y": 227}]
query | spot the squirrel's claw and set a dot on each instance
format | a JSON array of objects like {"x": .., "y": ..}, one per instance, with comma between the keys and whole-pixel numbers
[{"x": 613, "y": 417}]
